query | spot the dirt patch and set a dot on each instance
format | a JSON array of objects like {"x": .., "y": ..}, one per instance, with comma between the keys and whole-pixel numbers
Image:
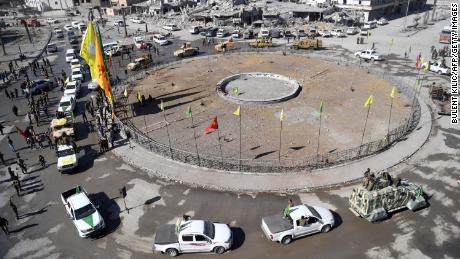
[{"x": 342, "y": 89}]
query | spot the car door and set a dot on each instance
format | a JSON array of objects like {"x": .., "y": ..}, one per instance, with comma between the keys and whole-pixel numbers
[
  {"x": 186, "y": 243},
  {"x": 201, "y": 244},
  {"x": 313, "y": 225}
]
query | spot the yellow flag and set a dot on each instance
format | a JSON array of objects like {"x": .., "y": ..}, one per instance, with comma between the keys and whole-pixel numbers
[
  {"x": 370, "y": 101},
  {"x": 88, "y": 48},
  {"x": 238, "y": 111},
  {"x": 282, "y": 115},
  {"x": 162, "y": 106},
  {"x": 139, "y": 97},
  {"x": 393, "y": 91},
  {"x": 100, "y": 70},
  {"x": 125, "y": 92}
]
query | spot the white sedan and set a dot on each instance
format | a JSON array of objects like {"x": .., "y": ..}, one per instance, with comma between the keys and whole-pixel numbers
[
  {"x": 77, "y": 74},
  {"x": 160, "y": 39},
  {"x": 136, "y": 20},
  {"x": 68, "y": 27},
  {"x": 439, "y": 68},
  {"x": 72, "y": 88}
]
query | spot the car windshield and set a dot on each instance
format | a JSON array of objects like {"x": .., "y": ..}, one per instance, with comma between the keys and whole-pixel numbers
[
  {"x": 84, "y": 212},
  {"x": 65, "y": 104},
  {"x": 71, "y": 87},
  {"x": 209, "y": 229},
  {"x": 76, "y": 72},
  {"x": 314, "y": 212},
  {"x": 65, "y": 152}
]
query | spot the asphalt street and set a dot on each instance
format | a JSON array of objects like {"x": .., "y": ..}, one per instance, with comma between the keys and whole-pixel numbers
[{"x": 44, "y": 231}]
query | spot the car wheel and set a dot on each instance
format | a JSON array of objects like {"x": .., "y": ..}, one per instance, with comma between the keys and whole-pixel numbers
[
  {"x": 219, "y": 250},
  {"x": 440, "y": 72},
  {"x": 326, "y": 228},
  {"x": 172, "y": 252},
  {"x": 286, "y": 240},
  {"x": 372, "y": 59}
]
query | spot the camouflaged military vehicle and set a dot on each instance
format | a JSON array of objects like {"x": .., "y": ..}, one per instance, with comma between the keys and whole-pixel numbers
[{"x": 380, "y": 195}]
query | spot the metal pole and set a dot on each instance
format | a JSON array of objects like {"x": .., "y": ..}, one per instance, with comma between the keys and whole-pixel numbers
[
  {"x": 405, "y": 18},
  {"x": 239, "y": 161},
  {"x": 124, "y": 23},
  {"x": 279, "y": 151},
  {"x": 196, "y": 144},
  {"x": 3, "y": 45},
  {"x": 364, "y": 130},
  {"x": 167, "y": 132},
  {"x": 389, "y": 120},
  {"x": 220, "y": 147},
  {"x": 124, "y": 201},
  {"x": 319, "y": 135},
  {"x": 434, "y": 10}
]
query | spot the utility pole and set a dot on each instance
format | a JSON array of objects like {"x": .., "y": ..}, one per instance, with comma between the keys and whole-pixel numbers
[
  {"x": 3, "y": 45},
  {"x": 434, "y": 10},
  {"x": 405, "y": 18},
  {"x": 27, "y": 30},
  {"x": 124, "y": 23}
]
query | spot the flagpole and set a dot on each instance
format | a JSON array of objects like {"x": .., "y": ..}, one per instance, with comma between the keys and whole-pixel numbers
[
  {"x": 364, "y": 130},
  {"x": 167, "y": 132},
  {"x": 279, "y": 151},
  {"x": 239, "y": 162},
  {"x": 220, "y": 147},
  {"x": 319, "y": 135},
  {"x": 389, "y": 120},
  {"x": 194, "y": 136}
]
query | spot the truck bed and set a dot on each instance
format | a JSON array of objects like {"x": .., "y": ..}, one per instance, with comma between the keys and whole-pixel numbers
[
  {"x": 276, "y": 223},
  {"x": 165, "y": 234}
]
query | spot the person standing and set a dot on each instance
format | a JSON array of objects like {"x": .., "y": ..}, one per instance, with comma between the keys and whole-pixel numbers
[
  {"x": 4, "y": 225},
  {"x": 14, "y": 208},
  {"x": 41, "y": 160},
  {"x": 12, "y": 175},
  {"x": 15, "y": 110},
  {"x": 23, "y": 166},
  {"x": 1, "y": 128},
  {"x": 10, "y": 144},
  {"x": 16, "y": 92},
  {"x": 7, "y": 94}
]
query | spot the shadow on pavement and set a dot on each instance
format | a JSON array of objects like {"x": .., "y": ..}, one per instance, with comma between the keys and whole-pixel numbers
[
  {"x": 110, "y": 212},
  {"x": 23, "y": 228},
  {"x": 238, "y": 237},
  {"x": 40, "y": 211},
  {"x": 337, "y": 219}
]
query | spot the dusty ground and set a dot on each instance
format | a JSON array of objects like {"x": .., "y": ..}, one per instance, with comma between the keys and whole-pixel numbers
[{"x": 342, "y": 89}]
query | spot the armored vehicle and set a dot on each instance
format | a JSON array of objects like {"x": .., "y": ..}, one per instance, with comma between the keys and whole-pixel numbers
[
  {"x": 224, "y": 46},
  {"x": 308, "y": 44},
  {"x": 380, "y": 195},
  {"x": 186, "y": 51},
  {"x": 261, "y": 43}
]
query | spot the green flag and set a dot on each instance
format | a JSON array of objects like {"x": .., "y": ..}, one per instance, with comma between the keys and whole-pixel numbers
[
  {"x": 321, "y": 107},
  {"x": 89, "y": 220},
  {"x": 189, "y": 111},
  {"x": 77, "y": 190}
]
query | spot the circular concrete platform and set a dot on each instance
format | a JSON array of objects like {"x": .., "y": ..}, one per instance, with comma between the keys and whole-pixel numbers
[{"x": 258, "y": 88}]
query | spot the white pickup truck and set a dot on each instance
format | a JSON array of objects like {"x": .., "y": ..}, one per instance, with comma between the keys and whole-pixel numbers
[
  {"x": 83, "y": 213},
  {"x": 67, "y": 157},
  {"x": 437, "y": 67},
  {"x": 192, "y": 236},
  {"x": 300, "y": 221},
  {"x": 369, "y": 54}
]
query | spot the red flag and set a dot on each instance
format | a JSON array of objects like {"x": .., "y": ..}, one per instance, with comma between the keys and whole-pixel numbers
[
  {"x": 417, "y": 63},
  {"x": 21, "y": 132},
  {"x": 212, "y": 125}
]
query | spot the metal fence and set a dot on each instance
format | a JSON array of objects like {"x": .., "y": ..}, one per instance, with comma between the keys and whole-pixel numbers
[{"x": 269, "y": 166}]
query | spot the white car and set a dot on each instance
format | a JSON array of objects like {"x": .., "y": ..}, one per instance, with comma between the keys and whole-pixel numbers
[
  {"x": 93, "y": 85},
  {"x": 138, "y": 41},
  {"x": 236, "y": 34},
  {"x": 118, "y": 23},
  {"x": 170, "y": 27},
  {"x": 75, "y": 24},
  {"x": 325, "y": 33},
  {"x": 302, "y": 220},
  {"x": 68, "y": 27},
  {"x": 160, "y": 39},
  {"x": 51, "y": 20},
  {"x": 438, "y": 68},
  {"x": 338, "y": 33},
  {"x": 82, "y": 212},
  {"x": 77, "y": 74},
  {"x": 192, "y": 236},
  {"x": 67, "y": 104},
  {"x": 352, "y": 30},
  {"x": 67, "y": 158},
  {"x": 75, "y": 63},
  {"x": 72, "y": 88},
  {"x": 221, "y": 33},
  {"x": 382, "y": 21},
  {"x": 136, "y": 20},
  {"x": 364, "y": 32},
  {"x": 195, "y": 29},
  {"x": 264, "y": 33},
  {"x": 369, "y": 54},
  {"x": 70, "y": 55}
]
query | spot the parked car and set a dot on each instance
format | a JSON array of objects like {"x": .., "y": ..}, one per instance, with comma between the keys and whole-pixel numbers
[
  {"x": 118, "y": 23},
  {"x": 59, "y": 33},
  {"x": 325, "y": 33},
  {"x": 160, "y": 39},
  {"x": 51, "y": 48},
  {"x": 192, "y": 236},
  {"x": 170, "y": 27},
  {"x": 67, "y": 104},
  {"x": 352, "y": 30},
  {"x": 264, "y": 33},
  {"x": 275, "y": 33},
  {"x": 248, "y": 34},
  {"x": 236, "y": 34},
  {"x": 369, "y": 54},
  {"x": 40, "y": 85},
  {"x": 437, "y": 67},
  {"x": 75, "y": 63},
  {"x": 51, "y": 20},
  {"x": 75, "y": 24},
  {"x": 68, "y": 27},
  {"x": 137, "y": 20},
  {"x": 93, "y": 85},
  {"x": 370, "y": 25},
  {"x": 212, "y": 32},
  {"x": 73, "y": 88},
  {"x": 338, "y": 33},
  {"x": 382, "y": 21},
  {"x": 195, "y": 29},
  {"x": 300, "y": 221},
  {"x": 82, "y": 211},
  {"x": 287, "y": 33},
  {"x": 81, "y": 27},
  {"x": 221, "y": 33},
  {"x": 70, "y": 54},
  {"x": 77, "y": 74},
  {"x": 364, "y": 32}
]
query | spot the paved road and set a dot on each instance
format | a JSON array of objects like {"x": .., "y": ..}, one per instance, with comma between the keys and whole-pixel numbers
[{"x": 45, "y": 232}]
